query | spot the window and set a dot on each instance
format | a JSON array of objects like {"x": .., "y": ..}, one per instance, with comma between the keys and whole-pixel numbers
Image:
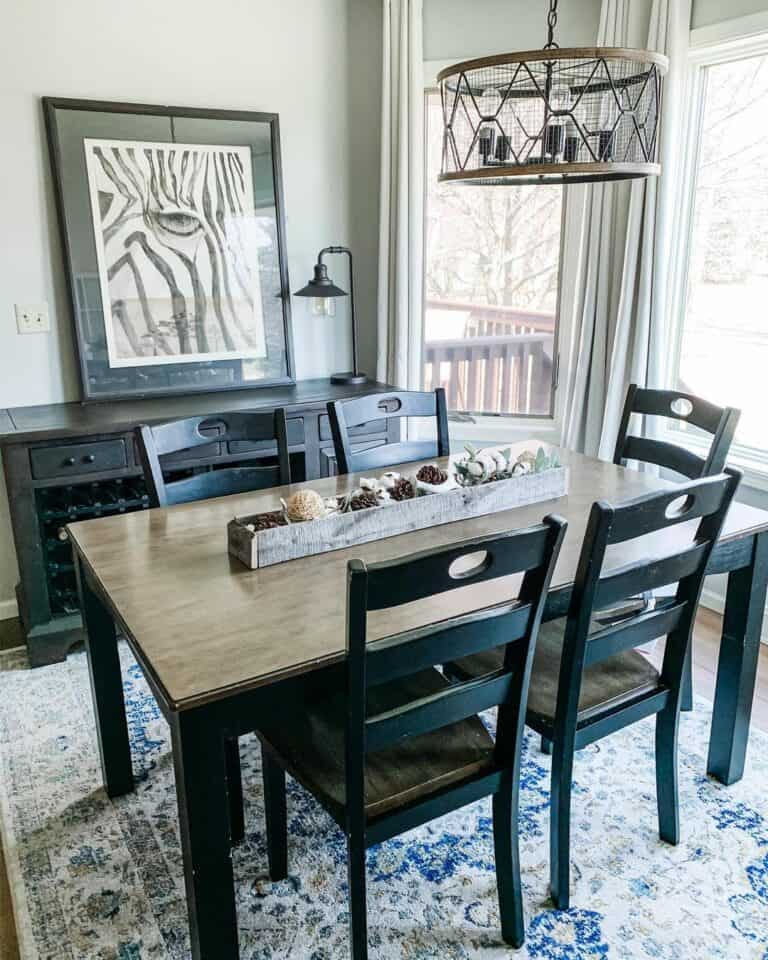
[
  {"x": 723, "y": 344},
  {"x": 491, "y": 286}
]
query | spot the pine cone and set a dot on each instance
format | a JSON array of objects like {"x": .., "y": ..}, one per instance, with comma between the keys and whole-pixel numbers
[
  {"x": 432, "y": 474},
  {"x": 267, "y": 521},
  {"x": 362, "y": 501},
  {"x": 402, "y": 490}
]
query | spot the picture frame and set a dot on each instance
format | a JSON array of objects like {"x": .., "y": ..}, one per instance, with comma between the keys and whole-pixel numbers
[{"x": 175, "y": 218}]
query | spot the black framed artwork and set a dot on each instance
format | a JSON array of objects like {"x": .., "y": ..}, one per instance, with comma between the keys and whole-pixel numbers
[{"x": 173, "y": 229}]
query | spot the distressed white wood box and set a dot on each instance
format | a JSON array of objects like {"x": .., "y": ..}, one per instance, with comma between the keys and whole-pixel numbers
[{"x": 264, "y": 548}]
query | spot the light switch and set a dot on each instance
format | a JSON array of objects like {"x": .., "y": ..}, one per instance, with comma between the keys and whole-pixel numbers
[{"x": 32, "y": 318}]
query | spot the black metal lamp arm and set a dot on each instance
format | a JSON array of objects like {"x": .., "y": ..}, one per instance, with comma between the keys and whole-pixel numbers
[{"x": 348, "y": 252}]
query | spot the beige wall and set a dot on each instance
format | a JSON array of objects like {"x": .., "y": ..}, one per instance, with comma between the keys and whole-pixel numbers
[
  {"x": 292, "y": 57},
  {"x": 456, "y": 28},
  {"x": 707, "y": 12}
]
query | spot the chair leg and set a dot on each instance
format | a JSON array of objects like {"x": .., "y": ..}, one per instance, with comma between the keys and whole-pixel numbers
[
  {"x": 507, "y": 850},
  {"x": 666, "y": 775},
  {"x": 560, "y": 824},
  {"x": 273, "y": 776},
  {"x": 686, "y": 694},
  {"x": 358, "y": 918},
  {"x": 234, "y": 790}
]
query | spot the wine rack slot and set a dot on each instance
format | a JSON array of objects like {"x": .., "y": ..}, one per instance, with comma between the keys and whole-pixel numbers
[{"x": 58, "y": 506}]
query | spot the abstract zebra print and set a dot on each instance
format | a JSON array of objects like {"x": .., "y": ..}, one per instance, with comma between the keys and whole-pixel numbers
[{"x": 177, "y": 243}]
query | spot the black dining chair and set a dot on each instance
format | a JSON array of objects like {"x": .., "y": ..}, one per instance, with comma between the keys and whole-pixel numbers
[
  {"x": 156, "y": 444},
  {"x": 587, "y": 680},
  {"x": 397, "y": 744},
  {"x": 347, "y": 414},
  {"x": 718, "y": 422}
]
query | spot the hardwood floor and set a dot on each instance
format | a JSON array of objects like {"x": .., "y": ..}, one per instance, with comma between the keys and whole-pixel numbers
[
  {"x": 9, "y": 948},
  {"x": 706, "y": 642}
]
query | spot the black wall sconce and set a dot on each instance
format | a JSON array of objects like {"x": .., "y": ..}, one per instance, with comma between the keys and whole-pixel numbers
[{"x": 323, "y": 293}]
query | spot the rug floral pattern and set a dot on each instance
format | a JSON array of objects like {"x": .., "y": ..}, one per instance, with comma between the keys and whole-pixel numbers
[{"x": 98, "y": 879}]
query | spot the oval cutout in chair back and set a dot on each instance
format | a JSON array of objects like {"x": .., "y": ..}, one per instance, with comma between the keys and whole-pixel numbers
[
  {"x": 390, "y": 404},
  {"x": 470, "y": 565},
  {"x": 679, "y": 506},
  {"x": 681, "y": 407},
  {"x": 210, "y": 423}
]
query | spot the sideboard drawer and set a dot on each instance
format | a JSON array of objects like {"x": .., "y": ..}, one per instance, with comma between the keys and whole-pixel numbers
[
  {"x": 78, "y": 458},
  {"x": 360, "y": 430}
]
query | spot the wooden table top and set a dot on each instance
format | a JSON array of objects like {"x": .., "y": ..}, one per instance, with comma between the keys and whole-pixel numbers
[{"x": 206, "y": 626}]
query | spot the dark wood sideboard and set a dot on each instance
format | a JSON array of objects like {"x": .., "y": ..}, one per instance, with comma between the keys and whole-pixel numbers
[{"x": 69, "y": 461}]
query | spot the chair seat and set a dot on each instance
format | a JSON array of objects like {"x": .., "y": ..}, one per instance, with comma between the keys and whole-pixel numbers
[
  {"x": 606, "y": 684},
  {"x": 310, "y": 745}
]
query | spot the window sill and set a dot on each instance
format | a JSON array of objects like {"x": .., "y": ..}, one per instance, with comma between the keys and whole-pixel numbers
[{"x": 495, "y": 430}]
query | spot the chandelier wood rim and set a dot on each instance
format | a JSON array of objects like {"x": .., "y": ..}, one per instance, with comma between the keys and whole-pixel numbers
[
  {"x": 562, "y": 53},
  {"x": 554, "y": 173}
]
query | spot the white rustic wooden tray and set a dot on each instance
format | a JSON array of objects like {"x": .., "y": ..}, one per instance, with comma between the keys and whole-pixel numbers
[{"x": 267, "y": 547}]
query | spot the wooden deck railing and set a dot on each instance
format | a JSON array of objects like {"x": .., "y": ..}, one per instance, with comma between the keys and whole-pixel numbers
[{"x": 503, "y": 364}]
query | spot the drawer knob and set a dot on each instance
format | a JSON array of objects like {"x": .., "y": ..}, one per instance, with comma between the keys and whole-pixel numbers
[
  {"x": 88, "y": 458},
  {"x": 69, "y": 462}
]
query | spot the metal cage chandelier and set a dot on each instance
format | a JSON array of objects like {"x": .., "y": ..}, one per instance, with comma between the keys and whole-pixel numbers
[{"x": 552, "y": 116}]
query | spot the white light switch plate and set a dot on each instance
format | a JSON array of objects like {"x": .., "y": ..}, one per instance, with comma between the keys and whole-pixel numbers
[{"x": 32, "y": 318}]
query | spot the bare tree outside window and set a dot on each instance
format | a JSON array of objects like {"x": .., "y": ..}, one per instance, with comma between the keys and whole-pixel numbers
[
  {"x": 491, "y": 289},
  {"x": 724, "y": 348}
]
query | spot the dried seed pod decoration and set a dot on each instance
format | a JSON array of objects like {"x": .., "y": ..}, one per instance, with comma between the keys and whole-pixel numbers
[
  {"x": 432, "y": 474},
  {"x": 403, "y": 489},
  {"x": 363, "y": 500},
  {"x": 377, "y": 487},
  {"x": 305, "y": 505},
  {"x": 266, "y": 521},
  {"x": 388, "y": 480}
]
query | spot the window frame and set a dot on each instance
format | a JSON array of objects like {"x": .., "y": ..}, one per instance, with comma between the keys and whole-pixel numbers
[
  {"x": 508, "y": 427},
  {"x": 720, "y": 43}
]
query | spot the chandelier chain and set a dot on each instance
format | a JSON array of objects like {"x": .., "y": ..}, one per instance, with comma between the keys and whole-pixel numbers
[{"x": 551, "y": 24}]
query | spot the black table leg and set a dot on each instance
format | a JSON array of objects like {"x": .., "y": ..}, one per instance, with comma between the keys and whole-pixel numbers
[
  {"x": 107, "y": 690},
  {"x": 201, "y": 788},
  {"x": 737, "y": 665}
]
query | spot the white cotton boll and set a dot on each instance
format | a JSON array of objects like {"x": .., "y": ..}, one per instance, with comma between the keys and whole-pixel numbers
[
  {"x": 499, "y": 460},
  {"x": 389, "y": 480},
  {"x": 475, "y": 468},
  {"x": 487, "y": 462}
]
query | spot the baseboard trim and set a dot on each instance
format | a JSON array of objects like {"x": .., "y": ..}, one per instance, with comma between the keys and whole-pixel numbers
[
  {"x": 8, "y": 609},
  {"x": 714, "y": 600}
]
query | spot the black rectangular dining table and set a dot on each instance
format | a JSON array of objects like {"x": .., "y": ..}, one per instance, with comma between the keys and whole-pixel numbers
[{"x": 221, "y": 645}]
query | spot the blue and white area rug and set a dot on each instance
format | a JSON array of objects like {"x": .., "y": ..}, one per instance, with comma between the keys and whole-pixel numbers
[{"x": 98, "y": 879}]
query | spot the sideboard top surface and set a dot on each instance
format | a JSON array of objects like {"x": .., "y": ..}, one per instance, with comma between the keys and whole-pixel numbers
[{"x": 52, "y": 420}]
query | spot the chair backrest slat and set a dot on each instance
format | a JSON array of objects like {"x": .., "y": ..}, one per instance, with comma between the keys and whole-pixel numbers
[
  {"x": 648, "y": 575},
  {"x": 624, "y": 636},
  {"x": 436, "y": 711},
  {"x": 388, "y": 454},
  {"x": 720, "y": 422},
  {"x": 435, "y": 571},
  {"x": 664, "y": 454},
  {"x": 157, "y": 443},
  {"x": 221, "y": 483},
  {"x": 403, "y": 653},
  {"x": 658, "y": 511},
  {"x": 345, "y": 414}
]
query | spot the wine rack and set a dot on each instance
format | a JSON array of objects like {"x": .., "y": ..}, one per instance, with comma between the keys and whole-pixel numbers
[{"x": 58, "y": 506}]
